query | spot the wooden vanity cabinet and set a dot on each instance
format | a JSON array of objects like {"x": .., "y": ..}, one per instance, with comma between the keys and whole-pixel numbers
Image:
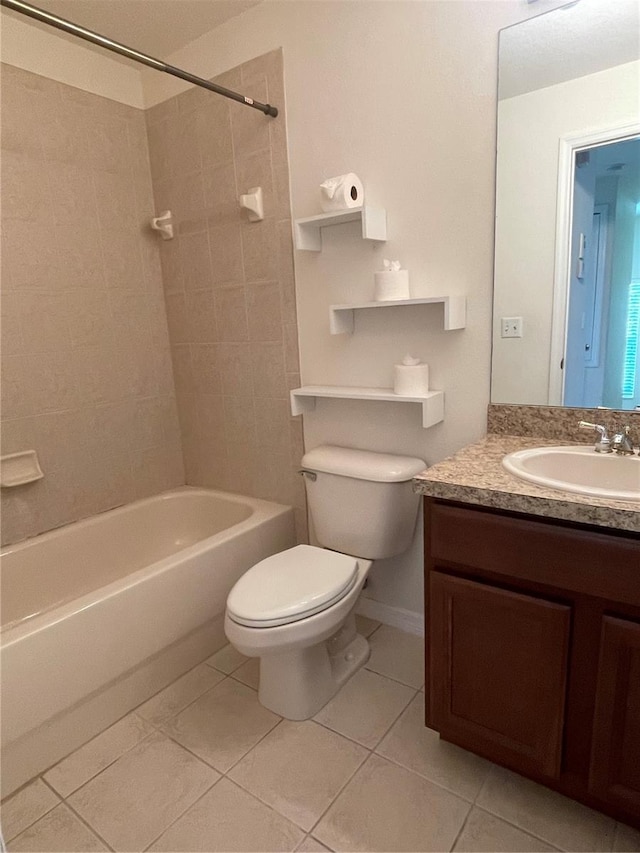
[{"x": 533, "y": 648}]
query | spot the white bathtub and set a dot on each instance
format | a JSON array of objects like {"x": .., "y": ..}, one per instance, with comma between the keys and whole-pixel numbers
[{"x": 99, "y": 615}]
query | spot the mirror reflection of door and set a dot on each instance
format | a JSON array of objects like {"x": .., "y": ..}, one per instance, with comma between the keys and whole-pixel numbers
[{"x": 602, "y": 349}]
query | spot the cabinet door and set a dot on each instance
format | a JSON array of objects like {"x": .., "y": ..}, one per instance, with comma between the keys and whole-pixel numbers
[
  {"x": 615, "y": 757},
  {"x": 498, "y": 672}
]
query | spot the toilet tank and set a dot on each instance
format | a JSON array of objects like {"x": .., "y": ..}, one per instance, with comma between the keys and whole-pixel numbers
[{"x": 361, "y": 503}]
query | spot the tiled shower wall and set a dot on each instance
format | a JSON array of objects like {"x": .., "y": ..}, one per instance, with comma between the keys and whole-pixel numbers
[
  {"x": 86, "y": 369},
  {"x": 229, "y": 285}
]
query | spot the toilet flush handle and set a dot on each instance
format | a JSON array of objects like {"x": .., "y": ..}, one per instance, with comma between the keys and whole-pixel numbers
[{"x": 310, "y": 474}]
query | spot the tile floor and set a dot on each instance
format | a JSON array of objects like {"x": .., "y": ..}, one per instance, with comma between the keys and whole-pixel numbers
[{"x": 202, "y": 766}]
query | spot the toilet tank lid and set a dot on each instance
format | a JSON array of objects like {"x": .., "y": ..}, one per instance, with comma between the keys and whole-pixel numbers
[{"x": 362, "y": 464}]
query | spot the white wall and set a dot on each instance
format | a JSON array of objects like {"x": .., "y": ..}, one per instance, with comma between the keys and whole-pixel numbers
[
  {"x": 402, "y": 93},
  {"x": 46, "y": 52},
  {"x": 529, "y": 127}
]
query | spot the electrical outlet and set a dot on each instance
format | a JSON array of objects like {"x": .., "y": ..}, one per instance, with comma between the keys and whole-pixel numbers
[{"x": 511, "y": 327}]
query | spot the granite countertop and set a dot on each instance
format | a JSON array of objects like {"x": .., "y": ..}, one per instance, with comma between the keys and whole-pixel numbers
[{"x": 475, "y": 475}]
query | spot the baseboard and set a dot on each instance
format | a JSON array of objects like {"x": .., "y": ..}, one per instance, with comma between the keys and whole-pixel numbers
[{"x": 398, "y": 617}]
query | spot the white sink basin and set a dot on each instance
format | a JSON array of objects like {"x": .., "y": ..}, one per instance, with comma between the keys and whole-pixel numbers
[{"x": 580, "y": 470}]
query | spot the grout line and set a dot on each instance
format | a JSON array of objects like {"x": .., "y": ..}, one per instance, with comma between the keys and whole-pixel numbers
[
  {"x": 519, "y": 828},
  {"x": 386, "y": 731},
  {"x": 338, "y": 793},
  {"x": 88, "y": 825},
  {"x": 461, "y": 830},
  {"x": 182, "y": 814},
  {"x": 22, "y": 788}
]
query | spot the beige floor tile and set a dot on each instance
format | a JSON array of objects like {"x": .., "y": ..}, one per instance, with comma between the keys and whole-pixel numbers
[
  {"x": 485, "y": 833},
  {"x": 420, "y": 749},
  {"x": 385, "y": 807},
  {"x": 310, "y": 845},
  {"x": 131, "y": 802},
  {"x": 181, "y": 693},
  {"x": 249, "y": 673},
  {"x": 366, "y": 626},
  {"x": 298, "y": 769},
  {"x": 365, "y": 707},
  {"x": 397, "y": 655},
  {"x": 627, "y": 839},
  {"x": 59, "y": 830},
  {"x": 226, "y": 660},
  {"x": 546, "y": 814},
  {"x": 72, "y": 772},
  {"x": 228, "y": 818},
  {"x": 25, "y": 807},
  {"x": 222, "y": 725}
]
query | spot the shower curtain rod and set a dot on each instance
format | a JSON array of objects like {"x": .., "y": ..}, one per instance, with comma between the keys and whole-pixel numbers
[{"x": 102, "y": 41}]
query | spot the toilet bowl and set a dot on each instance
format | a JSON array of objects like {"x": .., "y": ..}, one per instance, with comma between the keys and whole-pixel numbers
[
  {"x": 295, "y": 610},
  {"x": 302, "y": 629}
]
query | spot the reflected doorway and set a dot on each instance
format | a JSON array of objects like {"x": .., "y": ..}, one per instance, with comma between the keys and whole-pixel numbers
[{"x": 601, "y": 363}]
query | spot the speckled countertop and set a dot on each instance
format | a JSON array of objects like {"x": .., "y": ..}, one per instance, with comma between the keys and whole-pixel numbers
[{"x": 475, "y": 475}]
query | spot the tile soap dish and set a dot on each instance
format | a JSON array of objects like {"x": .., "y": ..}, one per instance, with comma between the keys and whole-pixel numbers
[{"x": 17, "y": 469}]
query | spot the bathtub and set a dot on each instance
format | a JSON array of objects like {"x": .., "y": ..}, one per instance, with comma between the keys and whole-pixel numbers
[{"x": 101, "y": 614}]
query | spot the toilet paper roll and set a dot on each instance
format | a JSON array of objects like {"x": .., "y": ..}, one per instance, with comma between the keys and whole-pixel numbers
[
  {"x": 391, "y": 284},
  {"x": 411, "y": 380},
  {"x": 341, "y": 193}
]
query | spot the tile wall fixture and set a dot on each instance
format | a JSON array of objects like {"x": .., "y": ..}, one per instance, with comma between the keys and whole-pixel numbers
[
  {"x": 86, "y": 369},
  {"x": 229, "y": 285},
  {"x": 556, "y": 422}
]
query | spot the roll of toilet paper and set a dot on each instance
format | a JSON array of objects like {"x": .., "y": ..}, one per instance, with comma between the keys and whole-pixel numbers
[
  {"x": 411, "y": 380},
  {"x": 391, "y": 284},
  {"x": 341, "y": 193}
]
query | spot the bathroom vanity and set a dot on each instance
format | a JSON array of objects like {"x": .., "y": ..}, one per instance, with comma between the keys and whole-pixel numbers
[{"x": 533, "y": 626}]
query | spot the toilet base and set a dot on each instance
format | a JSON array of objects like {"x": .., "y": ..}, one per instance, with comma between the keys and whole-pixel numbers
[{"x": 297, "y": 684}]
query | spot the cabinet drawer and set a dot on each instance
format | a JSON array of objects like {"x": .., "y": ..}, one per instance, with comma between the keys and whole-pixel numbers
[
  {"x": 602, "y": 565},
  {"x": 498, "y": 672}
]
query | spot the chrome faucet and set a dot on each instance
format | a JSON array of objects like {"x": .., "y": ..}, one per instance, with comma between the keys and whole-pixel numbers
[
  {"x": 621, "y": 442},
  {"x": 603, "y": 443}
]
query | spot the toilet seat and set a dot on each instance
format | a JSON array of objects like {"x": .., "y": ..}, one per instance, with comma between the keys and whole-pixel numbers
[{"x": 290, "y": 586}]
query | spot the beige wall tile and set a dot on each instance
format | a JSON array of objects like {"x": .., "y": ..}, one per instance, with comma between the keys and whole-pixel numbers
[
  {"x": 220, "y": 194},
  {"x": 231, "y": 314},
  {"x": 235, "y": 369},
  {"x": 267, "y": 368},
  {"x": 225, "y": 242},
  {"x": 85, "y": 344},
  {"x": 260, "y": 251},
  {"x": 214, "y": 132},
  {"x": 250, "y": 128},
  {"x": 195, "y": 261},
  {"x": 246, "y": 294},
  {"x": 205, "y": 369},
  {"x": 264, "y": 312}
]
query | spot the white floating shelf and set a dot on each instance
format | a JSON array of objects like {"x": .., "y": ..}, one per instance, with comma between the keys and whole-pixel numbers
[
  {"x": 341, "y": 317},
  {"x": 308, "y": 232},
  {"x": 304, "y": 399}
]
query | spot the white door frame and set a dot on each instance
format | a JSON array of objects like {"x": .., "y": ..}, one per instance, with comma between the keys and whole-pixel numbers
[{"x": 567, "y": 147}]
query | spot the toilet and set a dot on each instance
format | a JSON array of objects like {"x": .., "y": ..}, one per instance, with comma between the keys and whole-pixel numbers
[{"x": 295, "y": 610}]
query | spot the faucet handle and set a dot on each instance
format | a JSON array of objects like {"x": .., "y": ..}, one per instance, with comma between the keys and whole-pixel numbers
[
  {"x": 622, "y": 441},
  {"x": 603, "y": 443}
]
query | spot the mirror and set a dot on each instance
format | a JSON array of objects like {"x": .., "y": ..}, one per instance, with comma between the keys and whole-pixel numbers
[{"x": 566, "y": 310}]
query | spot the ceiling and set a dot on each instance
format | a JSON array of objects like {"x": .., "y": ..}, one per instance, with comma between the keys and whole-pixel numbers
[
  {"x": 156, "y": 27},
  {"x": 586, "y": 37}
]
